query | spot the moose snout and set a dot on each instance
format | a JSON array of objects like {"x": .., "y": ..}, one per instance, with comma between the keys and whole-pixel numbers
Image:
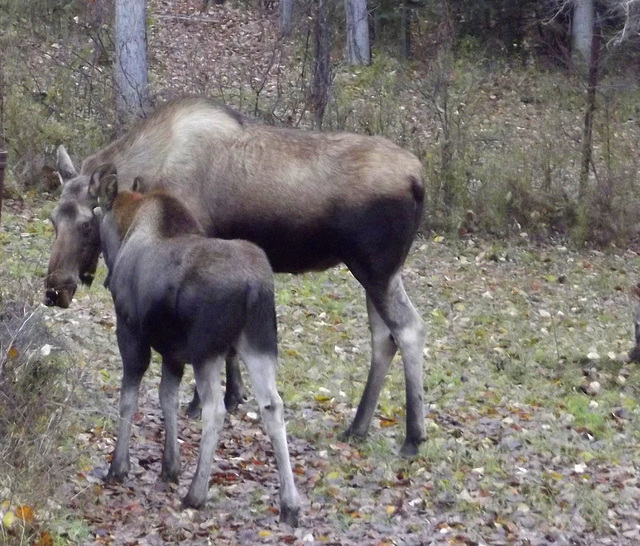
[{"x": 59, "y": 296}]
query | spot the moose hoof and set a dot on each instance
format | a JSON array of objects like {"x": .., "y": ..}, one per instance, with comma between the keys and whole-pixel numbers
[
  {"x": 193, "y": 409},
  {"x": 289, "y": 515},
  {"x": 170, "y": 476},
  {"x": 410, "y": 448},
  {"x": 115, "y": 476},
  {"x": 191, "y": 502},
  {"x": 351, "y": 435},
  {"x": 233, "y": 398}
]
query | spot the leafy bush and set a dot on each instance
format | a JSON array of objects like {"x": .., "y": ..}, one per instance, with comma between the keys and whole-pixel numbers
[{"x": 35, "y": 393}]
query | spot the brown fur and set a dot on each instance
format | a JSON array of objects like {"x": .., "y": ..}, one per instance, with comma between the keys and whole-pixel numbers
[{"x": 172, "y": 218}]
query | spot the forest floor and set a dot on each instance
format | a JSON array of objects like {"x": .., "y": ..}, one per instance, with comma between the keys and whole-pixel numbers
[
  {"x": 532, "y": 414},
  {"x": 523, "y": 447}
]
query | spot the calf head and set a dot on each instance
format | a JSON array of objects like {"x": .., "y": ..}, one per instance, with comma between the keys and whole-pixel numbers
[
  {"x": 76, "y": 248},
  {"x": 115, "y": 211}
]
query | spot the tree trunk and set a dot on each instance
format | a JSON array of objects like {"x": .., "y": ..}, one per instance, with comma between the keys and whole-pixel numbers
[
  {"x": 286, "y": 17},
  {"x": 582, "y": 33},
  {"x": 358, "y": 51},
  {"x": 587, "y": 129},
  {"x": 406, "y": 29},
  {"x": 322, "y": 67},
  {"x": 131, "y": 58}
]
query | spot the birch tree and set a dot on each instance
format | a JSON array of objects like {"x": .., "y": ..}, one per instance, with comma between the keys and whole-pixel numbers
[
  {"x": 286, "y": 17},
  {"x": 582, "y": 32},
  {"x": 358, "y": 51},
  {"x": 131, "y": 58}
]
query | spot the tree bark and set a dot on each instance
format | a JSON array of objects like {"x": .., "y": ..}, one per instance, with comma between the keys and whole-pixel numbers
[
  {"x": 358, "y": 50},
  {"x": 322, "y": 66},
  {"x": 582, "y": 33},
  {"x": 131, "y": 58},
  {"x": 587, "y": 129},
  {"x": 286, "y": 17},
  {"x": 406, "y": 29}
]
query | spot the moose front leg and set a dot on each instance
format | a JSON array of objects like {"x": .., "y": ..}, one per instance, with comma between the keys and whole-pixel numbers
[
  {"x": 135, "y": 361},
  {"x": 383, "y": 349}
]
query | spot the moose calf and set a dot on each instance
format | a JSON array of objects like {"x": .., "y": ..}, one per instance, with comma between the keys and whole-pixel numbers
[{"x": 192, "y": 299}]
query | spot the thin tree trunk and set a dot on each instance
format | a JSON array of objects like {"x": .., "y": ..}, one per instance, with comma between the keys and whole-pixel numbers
[
  {"x": 322, "y": 68},
  {"x": 406, "y": 29},
  {"x": 131, "y": 58},
  {"x": 582, "y": 33},
  {"x": 587, "y": 129},
  {"x": 286, "y": 17},
  {"x": 358, "y": 50}
]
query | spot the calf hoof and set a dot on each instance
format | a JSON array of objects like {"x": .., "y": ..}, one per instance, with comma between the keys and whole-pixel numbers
[
  {"x": 116, "y": 476},
  {"x": 191, "y": 502},
  {"x": 290, "y": 515},
  {"x": 193, "y": 409},
  {"x": 233, "y": 398},
  {"x": 170, "y": 476}
]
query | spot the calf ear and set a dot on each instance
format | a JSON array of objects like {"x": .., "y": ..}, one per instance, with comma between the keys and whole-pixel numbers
[
  {"x": 64, "y": 165},
  {"x": 108, "y": 169},
  {"x": 108, "y": 191},
  {"x": 139, "y": 185}
]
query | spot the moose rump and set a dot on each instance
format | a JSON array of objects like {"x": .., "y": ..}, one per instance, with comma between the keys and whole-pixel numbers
[{"x": 193, "y": 299}]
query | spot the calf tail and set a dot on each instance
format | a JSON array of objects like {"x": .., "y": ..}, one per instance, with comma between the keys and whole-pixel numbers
[{"x": 261, "y": 328}]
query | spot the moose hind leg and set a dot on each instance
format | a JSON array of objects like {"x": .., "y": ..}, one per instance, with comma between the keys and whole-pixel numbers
[
  {"x": 262, "y": 370},
  {"x": 169, "y": 386},
  {"x": 235, "y": 392},
  {"x": 208, "y": 383},
  {"x": 408, "y": 331},
  {"x": 383, "y": 349}
]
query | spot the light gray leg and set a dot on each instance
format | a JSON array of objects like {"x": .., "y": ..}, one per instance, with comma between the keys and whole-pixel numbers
[
  {"x": 408, "y": 330},
  {"x": 135, "y": 361},
  {"x": 383, "y": 349},
  {"x": 169, "y": 386},
  {"x": 235, "y": 392},
  {"x": 262, "y": 370},
  {"x": 209, "y": 387}
]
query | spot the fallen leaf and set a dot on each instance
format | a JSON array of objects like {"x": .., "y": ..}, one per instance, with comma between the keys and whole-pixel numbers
[{"x": 25, "y": 513}]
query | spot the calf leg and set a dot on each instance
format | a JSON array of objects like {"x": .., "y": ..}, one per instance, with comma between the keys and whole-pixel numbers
[
  {"x": 169, "y": 387},
  {"x": 262, "y": 370},
  {"x": 209, "y": 388},
  {"x": 135, "y": 361},
  {"x": 383, "y": 349},
  {"x": 235, "y": 392}
]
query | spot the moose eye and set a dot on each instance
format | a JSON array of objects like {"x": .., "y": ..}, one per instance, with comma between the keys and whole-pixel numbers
[{"x": 86, "y": 227}]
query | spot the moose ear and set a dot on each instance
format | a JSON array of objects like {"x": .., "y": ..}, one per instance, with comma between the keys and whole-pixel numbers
[
  {"x": 108, "y": 169},
  {"x": 139, "y": 185},
  {"x": 64, "y": 165},
  {"x": 108, "y": 191}
]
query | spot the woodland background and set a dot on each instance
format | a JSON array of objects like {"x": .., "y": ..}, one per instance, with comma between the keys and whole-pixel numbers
[{"x": 526, "y": 118}]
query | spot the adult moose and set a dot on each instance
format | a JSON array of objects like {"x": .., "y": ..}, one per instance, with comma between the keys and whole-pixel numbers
[
  {"x": 192, "y": 299},
  {"x": 310, "y": 200}
]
